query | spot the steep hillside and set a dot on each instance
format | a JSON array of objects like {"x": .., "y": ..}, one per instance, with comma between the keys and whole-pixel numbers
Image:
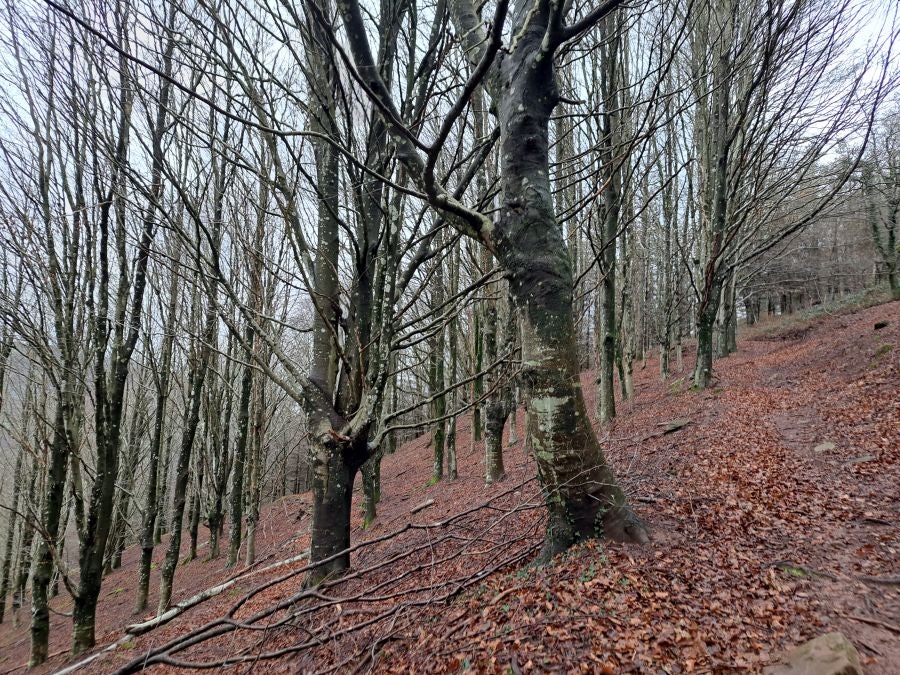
[{"x": 772, "y": 500}]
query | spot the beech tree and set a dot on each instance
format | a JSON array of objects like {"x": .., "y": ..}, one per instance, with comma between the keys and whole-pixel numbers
[
  {"x": 249, "y": 249},
  {"x": 881, "y": 188}
]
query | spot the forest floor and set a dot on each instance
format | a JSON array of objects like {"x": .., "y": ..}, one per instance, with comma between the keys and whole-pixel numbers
[{"x": 774, "y": 511}]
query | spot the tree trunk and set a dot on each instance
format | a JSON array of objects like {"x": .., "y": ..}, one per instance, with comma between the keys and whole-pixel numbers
[
  {"x": 254, "y": 489},
  {"x": 196, "y": 505},
  {"x": 240, "y": 453},
  {"x": 152, "y": 503},
  {"x": 50, "y": 516},
  {"x": 453, "y": 345},
  {"x": 11, "y": 523},
  {"x": 495, "y": 419},
  {"x": 165, "y": 464},
  {"x": 371, "y": 476},
  {"x": 727, "y": 334},
  {"x": 703, "y": 370},
  {"x": 120, "y": 526},
  {"x": 611, "y": 200},
  {"x": 582, "y": 495},
  {"x": 436, "y": 374},
  {"x": 333, "y": 477},
  {"x": 22, "y": 567},
  {"x": 182, "y": 471}
]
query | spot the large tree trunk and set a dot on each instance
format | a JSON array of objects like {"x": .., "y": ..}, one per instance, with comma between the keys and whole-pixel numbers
[
  {"x": 333, "y": 477},
  {"x": 583, "y": 497}
]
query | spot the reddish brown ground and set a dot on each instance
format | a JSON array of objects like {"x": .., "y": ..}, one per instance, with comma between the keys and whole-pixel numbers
[{"x": 761, "y": 539}]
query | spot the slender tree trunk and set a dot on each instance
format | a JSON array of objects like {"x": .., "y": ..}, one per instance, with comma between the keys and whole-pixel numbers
[
  {"x": 182, "y": 473},
  {"x": 22, "y": 567},
  {"x": 54, "y": 489},
  {"x": 152, "y": 502},
  {"x": 716, "y": 194},
  {"x": 222, "y": 440},
  {"x": 162, "y": 514},
  {"x": 611, "y": 209},
  {"x": 727, "y": 334},
  {"x": 496, "y": 409},
  {"x": 11, "y": 523},
  {"x": 196, "y": 505},
  {"x": 254, "y": 489},
  {"x": 453, "y": 345},
  {"x": 123, "y": 511},
  {"x": 240, "y": 454},
  {"x": 436, "y": 383},
  {"x": 371, "y": 477},
  {"x": 703, "y": 370}
]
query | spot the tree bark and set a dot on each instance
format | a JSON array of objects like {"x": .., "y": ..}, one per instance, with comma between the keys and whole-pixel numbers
[
  {"x": 50, "y": 515},
  {"x": 182, "y": 471},
  {"x": 582, "y": 495},
  {"x": 11, "y": 523},
  {"x": 152, "y": 502}
]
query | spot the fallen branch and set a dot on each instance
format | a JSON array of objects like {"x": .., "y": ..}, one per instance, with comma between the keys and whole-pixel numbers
[
  {"x": 887, "y": 581},
  {"x": 424, "y": 505},
  {"x": 93, "y": 657},
  {"x": 181, "y": 607}
]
